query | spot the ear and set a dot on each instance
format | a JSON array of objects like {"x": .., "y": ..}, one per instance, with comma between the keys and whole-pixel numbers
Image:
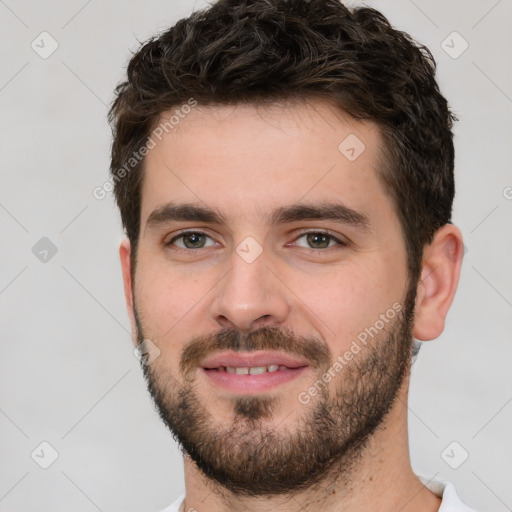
[
  {"x": 124, "y": 255},
  {"x": 442, "y": 261}
]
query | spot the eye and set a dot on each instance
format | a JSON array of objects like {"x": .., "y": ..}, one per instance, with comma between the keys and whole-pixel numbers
[
  {"x": 319, "y": 240},
  {"x": 187, "y": 240},
  {"x": 191, "y": 240}
]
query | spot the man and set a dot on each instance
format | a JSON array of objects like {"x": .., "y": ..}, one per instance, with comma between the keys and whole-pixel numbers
[{"x": 284, "y": 172}]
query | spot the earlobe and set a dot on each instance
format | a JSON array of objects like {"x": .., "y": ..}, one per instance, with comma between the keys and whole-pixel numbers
[
  {"x": 442, "y": 261},
  {"x": 124, "y": 255}
]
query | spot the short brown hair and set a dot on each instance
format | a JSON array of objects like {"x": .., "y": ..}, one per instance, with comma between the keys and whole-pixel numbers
[{"x": 257, "y": 51}]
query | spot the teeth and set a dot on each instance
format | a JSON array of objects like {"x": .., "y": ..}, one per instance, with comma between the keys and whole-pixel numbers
[
  {"x": 256, "y": 370},
  {"x": 253, "y": 370}
]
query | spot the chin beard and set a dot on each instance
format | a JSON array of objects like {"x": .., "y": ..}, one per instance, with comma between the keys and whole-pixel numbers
[{"x": 251, "y": 456}]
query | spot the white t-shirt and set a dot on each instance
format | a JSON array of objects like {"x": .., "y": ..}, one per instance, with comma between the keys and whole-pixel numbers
[{"x": 442, "y": 488}]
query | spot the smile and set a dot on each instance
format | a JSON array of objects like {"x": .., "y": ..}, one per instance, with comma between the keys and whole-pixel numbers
[
  {"x": 250, "y": 380},
  {"x": 253, "y": 370}
]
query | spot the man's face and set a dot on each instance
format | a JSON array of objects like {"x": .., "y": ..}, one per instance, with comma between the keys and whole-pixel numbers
[{"x": 271, "y": 278}]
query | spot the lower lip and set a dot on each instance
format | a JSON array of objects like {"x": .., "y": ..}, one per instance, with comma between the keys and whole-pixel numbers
[{"x": 252, "y": 383}]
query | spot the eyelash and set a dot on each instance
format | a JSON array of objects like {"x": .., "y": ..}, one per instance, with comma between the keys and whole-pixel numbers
[{"x": 300, "y": 235}]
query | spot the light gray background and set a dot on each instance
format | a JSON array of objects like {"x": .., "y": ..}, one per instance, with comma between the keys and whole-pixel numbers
[{"x": 68, "y": 375}]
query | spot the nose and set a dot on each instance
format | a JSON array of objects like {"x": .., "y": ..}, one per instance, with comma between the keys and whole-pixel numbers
[{"x": 250, "y": 296}]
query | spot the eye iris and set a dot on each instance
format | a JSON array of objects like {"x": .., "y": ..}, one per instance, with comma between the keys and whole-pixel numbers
[
  {"x": 196, "y": 238},
  {"x": 313, "y": 238}
]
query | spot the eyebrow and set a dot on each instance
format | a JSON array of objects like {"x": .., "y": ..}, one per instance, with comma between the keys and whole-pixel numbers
[{"x": 189, "y": 212}]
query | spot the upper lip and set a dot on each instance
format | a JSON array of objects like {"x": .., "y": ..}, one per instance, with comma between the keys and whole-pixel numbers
[{"x": 251, "y": 359}]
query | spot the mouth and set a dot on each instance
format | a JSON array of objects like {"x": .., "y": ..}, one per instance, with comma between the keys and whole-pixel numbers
[{"x": 252, "y": 372}]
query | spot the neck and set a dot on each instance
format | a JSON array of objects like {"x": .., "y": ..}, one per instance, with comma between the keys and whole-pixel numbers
[{"x": 382, "y": 479}]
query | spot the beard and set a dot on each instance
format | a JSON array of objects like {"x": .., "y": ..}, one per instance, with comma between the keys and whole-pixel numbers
[{"x": 329, "y": 434}]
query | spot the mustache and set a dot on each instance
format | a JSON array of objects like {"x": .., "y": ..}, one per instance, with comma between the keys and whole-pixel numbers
[{"x": 267, "y": 338}]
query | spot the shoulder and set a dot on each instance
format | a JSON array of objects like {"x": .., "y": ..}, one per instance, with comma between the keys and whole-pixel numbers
[
  {"x": 446, "y": 491},
  {"x": 175, "y": 505},
  {"x": 442, "y": 488}
]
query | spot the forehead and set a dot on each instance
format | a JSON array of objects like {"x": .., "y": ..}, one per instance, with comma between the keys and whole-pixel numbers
[{"x": 247, "y": 160}]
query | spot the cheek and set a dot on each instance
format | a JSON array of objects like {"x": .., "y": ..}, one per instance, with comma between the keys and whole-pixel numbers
[
  {"x": 164, "y": 299},
  {"x": 350, "y": 300}
]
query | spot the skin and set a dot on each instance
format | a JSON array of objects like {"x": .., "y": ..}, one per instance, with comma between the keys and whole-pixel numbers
[{"x": 246, "y": 161}]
